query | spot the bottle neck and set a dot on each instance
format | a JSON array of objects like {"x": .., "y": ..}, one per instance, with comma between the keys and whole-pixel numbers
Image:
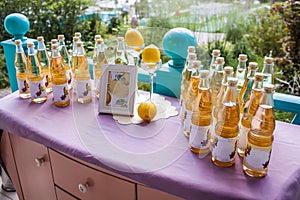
[
  {"x": 230, "y": 95},
  {"x": 195, "y": 72},
  {"x": 31, "y": 51},
  {"x": 242, "y": 65},
  {"x": 61, "y": 42},
  {"x": 251, "y": 72},
  {"x": 267, "y": 99},
  {"x": 219, "y": 67},
  {"x": 74, "y": 49},
  {"x": 213, "y": 61},
  {"x": 257, "y": 85},
  {"x": 121, "y": 46},
  {"x": 100, "y": 48},
  {"x": 268, "y": 68},
  {"x": 225, "y": 78},
  {"x": 80, "y": 51},
  {"x": 41, "y": 46},
  {"x": 203, "y": 83},
  {"x": 19, "y": 48},
  {"x": 55, "y": 53}
]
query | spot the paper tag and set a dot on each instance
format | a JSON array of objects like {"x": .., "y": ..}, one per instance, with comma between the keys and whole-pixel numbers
[
  {"x": 187, "y": 120},
  {"x": 224, "y": 148},
  {"x": 23, "y": 85},
  {"x": 83, "y": 89},
  {"x": 61, "y": 93},
  {"x": 257, "y": 157},
  {"x": 37, "y": 89},
  {"x": 199, "y": 136}
]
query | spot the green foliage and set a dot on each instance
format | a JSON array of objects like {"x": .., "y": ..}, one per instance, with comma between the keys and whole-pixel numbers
[{"x": 4, "y": 82}]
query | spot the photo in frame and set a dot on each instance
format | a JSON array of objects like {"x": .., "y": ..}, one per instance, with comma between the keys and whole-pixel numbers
[{"x": 118, "y": 85}]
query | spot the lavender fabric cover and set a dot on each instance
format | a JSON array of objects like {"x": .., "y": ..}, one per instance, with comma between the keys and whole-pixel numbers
[{"x": 155, "y": 154}]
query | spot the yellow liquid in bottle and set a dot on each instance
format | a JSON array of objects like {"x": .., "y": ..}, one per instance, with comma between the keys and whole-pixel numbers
[
  {"x": 192, "y": 94},
  {"x": 201, "y": 116},
  {"x": 82, "y": 76},
  {"x": 245, "y": 92},
  {"x": 45, "y": 62},
  {"x": 260, "y": 138},
  {"x": 216, "y": 85},
  {"x": 183, "y": 96},
  {"x": 227, "y": 128},
  {"x": 24, "y": 90}
]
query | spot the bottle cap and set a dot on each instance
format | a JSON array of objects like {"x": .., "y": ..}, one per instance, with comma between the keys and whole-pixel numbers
[
  {"x": 54, "y": 41},
  {"x": 216, "y": 53},
  {"x": 268, "y": 60},
  {"x": 61, "y": 37},
  {"x": 196, "y": 64},
  {"x": 191, "y": 49},
  {"x": 54, "y": 46},
  {"x": 269, "y": 88},
  {"x": 78, "y": 34},
  {"x": 17, "y": 42},
  {"x": 98, "y": 37},
  {"x": 75, "y": 39},
  {"x": 79, "y": 44},
  {"x": 30, "y": 44},
  {"x": 232, "y": 81},
  {"x": 228, "y": 70},
  {"x": 243, "y": 57},
  {"x": 192, "y": 56},
  {"x": 203, "y": 73},
  {"x": 40, "y": 39},
  {"x": 259, "y": 77},
  {"x": 120, "y": 39},
  {"x": 220, "y": 60},
  {"x": 99, "y": 41},
  {"x": 253, "y": 65}
]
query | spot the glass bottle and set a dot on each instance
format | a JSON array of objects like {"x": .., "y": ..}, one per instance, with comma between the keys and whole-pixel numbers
[
  {"x": 215, "y": 53},
  {"x": 74, "y": 54},
  {"x": 201, "y": 117},
  {"x": 240, "y": 72},
  {"x": 268, "y": 70},
  {"x": 191, "y": 56},
  {"x": 97, "y": 37},
  {"x": 186, "y": 76},
  {"x": 247, "y": 86},
  {"x": 43, "y": 57},
  {"x": 121, "y": 57},
  {"x": 21, "y": 74},
  {"x": 228, "y": 72},
  {"x": 260, "y": 137},
  {"x": 249, "y": 110},
  {"x": 66, "y": 59},
  {"x": 99, "y": 59},
  {"x": 59, "y": 79},
  {"x": 217, "y": 79},
  {"x": 226, "y": 131},
  {"x": 78, "y": 34},
  {"x": 191, "y": 96},
  {"x": 82, "y": 76},
  {"x": 35, "y": 76}
]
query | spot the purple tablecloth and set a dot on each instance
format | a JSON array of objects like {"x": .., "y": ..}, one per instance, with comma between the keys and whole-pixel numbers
[{"x": 154, "y": 154}]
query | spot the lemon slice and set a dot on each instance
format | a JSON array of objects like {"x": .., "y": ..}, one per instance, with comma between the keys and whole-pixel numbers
[
  {"x": 151, "y": 54},
  {"x": 134, "y": 38}
]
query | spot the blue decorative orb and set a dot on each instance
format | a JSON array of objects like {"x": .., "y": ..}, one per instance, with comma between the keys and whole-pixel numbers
[
  {"x": 175, "y": 44},
  {"x": 16, "y": 24}
]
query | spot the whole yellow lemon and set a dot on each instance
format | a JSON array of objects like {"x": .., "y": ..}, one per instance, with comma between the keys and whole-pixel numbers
[
  {"x": 151, "y": 54},
  {"x": 147, "y": 111},
  {"x": 134, "y": 38}
]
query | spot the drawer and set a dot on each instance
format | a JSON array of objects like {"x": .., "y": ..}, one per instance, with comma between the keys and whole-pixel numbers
[
  {"x": 62, "y": 195},
  {"x": 146, "y": 193},
  {"x": 87, "y": 183}
]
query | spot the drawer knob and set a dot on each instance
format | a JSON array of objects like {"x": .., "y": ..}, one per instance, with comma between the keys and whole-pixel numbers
[
  {"x": 39, "y": 161},
  {"x": 83, "y": 187}
]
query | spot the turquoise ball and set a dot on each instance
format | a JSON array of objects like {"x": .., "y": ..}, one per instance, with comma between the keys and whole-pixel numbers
[{"x": 16, "y": 24}]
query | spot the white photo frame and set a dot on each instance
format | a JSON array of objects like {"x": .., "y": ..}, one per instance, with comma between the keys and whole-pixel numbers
[{"x": 118, "y": 89}]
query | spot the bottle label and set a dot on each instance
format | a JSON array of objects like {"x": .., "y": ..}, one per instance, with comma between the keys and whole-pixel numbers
[
  {"x": 199, "y": 136},
  {"x": 242, "y": 142},
  {"x": 69, "y": 76},
  {"x": 37, "y": 89},
  {"x": 187, "y": 120},
  {"x": 60, "y": 93},
  {"x": 23, "y": 85},
  {"x": 223, "y": 149},
  {"x": 47, "y": 80},
  {"x": 83, "y": 89},
  {"x": 257, "y": 157}
]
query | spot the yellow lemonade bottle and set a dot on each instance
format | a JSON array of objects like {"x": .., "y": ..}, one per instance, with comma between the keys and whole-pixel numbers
[
  {"x": 191, "y": 96},
  {"x": 21, "y": 74},
  {"x": 43, "y": 57},
  {"x": 215, "y": 53},
  {"x": 35, "y": 76},
  {"x": 268, "y": 70},
  {"x": 186, "y": 76},
  {"x": 217, "y": 78},
  {"x": 121, "y": 57},
  {"x": 66, "y": 59},
  {"x": 99, "y": 60},
  {"x": 260, "y": 137},
  {"x": 249, "y": 110},
  {"x": 82, "y": 76},
  {"x": 226, "y": 132},
  {"x": 59, "y": 79},
  {"x": 240, "y": 72},
  {"x": 201, "y": 117}
]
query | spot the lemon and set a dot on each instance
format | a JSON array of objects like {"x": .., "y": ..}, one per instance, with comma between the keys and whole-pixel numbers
[
  {"x": 147, "y": 111},
  {"x": 134, "y": 38},
  {"x": 151, "y": 54}
]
